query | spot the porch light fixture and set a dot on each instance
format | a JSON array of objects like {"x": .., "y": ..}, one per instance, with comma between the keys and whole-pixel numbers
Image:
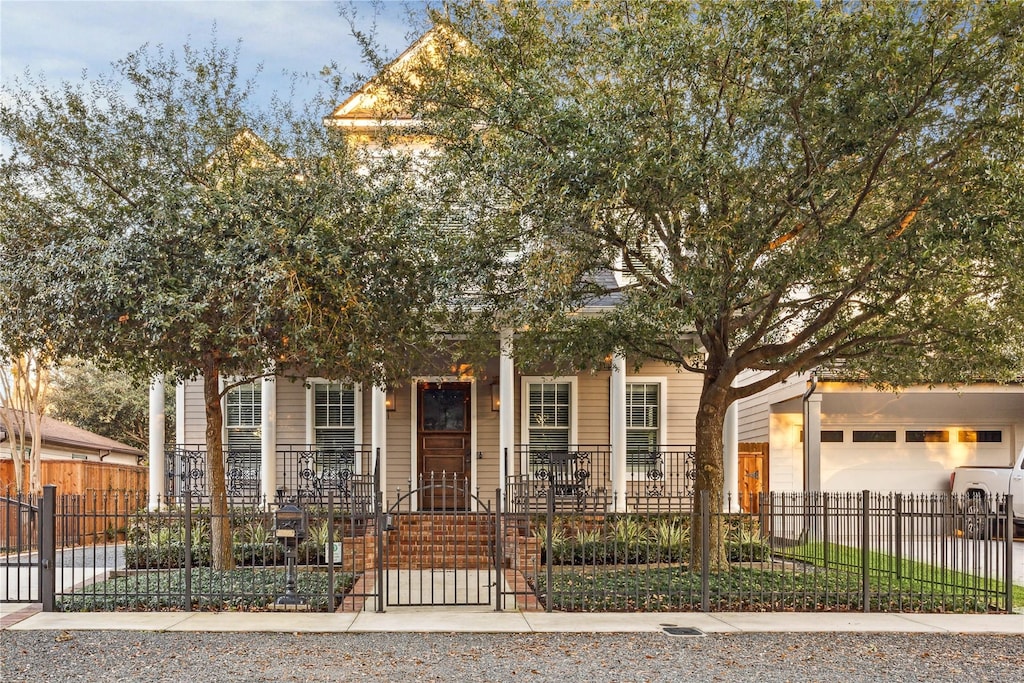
[
  {"x": 389, "y": 399},
  {"x": 495, "y": 396}
]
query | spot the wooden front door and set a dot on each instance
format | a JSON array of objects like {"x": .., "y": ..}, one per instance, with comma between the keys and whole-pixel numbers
[
  {"x": 753, "y": 474},
  {"x": 444, "y": 438}
]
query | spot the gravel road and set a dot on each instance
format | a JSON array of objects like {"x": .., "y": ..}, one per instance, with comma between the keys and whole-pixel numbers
[{"x": 99, "y": 656}]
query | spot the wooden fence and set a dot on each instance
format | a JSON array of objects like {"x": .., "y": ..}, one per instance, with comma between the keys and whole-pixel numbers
[
  {"x": 78, "y": 476},
  {"x": 102, "y": 496}
]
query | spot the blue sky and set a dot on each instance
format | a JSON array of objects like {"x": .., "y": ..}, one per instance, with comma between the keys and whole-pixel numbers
[{"x": 62, "y": 38}]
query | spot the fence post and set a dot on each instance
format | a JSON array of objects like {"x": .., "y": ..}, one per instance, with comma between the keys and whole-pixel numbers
[
  {"x": 331, "y": 606},
  {"x": 48, "y": 548},
  {"x": 188, "y": 547},
  {"x": 825, "y": 536},
  {"x": 705, "y": 550},
  {"x": 1008, "y": 566},
  {"x": 549, "y": 523},
  {"x": 865, "y": 538},
  {"x": 379, "y": 589},
  {"x": 499, "y": 549},
  {"x": 899, "y": 536}
]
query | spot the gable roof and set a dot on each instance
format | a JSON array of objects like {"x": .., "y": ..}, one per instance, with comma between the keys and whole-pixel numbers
[
  {"x": 57, "y": 433},
  {"x": 364, "y": 108}
]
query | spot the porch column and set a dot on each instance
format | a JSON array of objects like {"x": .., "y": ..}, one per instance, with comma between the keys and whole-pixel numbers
[
  {"x": 731, "y": 459},
  {"x": 617, "y": 430},
  {"x": 506, "y": 411},
  {"x": 157, "y": 439},
  {"x": 379, "y": 436},
  {"x": 268, "y": 438},
  {"x": 179, "y": 414},
  {"x": 812, "y": 442}
]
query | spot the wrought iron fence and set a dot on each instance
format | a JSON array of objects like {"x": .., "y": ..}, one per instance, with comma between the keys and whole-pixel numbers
[
  {"x": 142, "y": 559},
  {"x": 809, "y": 552},
  {"x": 804, "y": 552}
]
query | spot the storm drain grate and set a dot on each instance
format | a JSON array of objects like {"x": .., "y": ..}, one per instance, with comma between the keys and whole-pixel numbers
[{"x": 683, "y": 631}]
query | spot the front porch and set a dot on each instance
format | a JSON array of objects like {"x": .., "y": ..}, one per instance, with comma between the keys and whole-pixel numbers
[{"x": 617, "y": 439}]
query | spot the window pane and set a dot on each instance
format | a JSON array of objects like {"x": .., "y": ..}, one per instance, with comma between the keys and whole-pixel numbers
[
  {"x": 549, "y": 405},
  {"x": 445, "y": 410},
  {"x": 240, "y": 439},
  {"x": 874, "y": 436},
  {"x": 642, "y": 407},
  {"x": 336, "y": 438},
  {"x": 927, "y": 436},
  {"x": 243, "y": 406},
  {"x": 549, "y": 440},
  {"x": 981, "y": 436},
  {"x": 334, "y": 405}
]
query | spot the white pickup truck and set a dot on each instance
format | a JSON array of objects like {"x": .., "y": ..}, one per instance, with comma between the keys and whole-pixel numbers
[{"x": 982, "y": 486}]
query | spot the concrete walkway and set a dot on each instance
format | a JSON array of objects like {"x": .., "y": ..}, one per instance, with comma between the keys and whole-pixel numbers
[{"x": 485, "y": 620}]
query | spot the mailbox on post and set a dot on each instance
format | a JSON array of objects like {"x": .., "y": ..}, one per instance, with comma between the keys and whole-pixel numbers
[{"x": 290, "y": 524}]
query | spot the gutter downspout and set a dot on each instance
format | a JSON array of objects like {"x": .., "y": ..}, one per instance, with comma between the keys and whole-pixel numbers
[
  {"x": 812, "y": 456},
  {"x": 812, "y": 386}
]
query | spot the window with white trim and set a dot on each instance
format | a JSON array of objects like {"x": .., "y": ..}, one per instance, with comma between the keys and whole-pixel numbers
[
  {"x": 333, "y": 419},
  {"x": 643, "y": 423},
  {"x": 242, "y": 421},
  {"x": 243, "y": 408},
  {"x": 549, "y": 411}
]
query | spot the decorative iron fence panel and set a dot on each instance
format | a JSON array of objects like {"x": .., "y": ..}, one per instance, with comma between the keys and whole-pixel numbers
[
  {"x": 19, "y": 546},
  {"x": 440, "y": 545},
  {"x": 804, "y": 552},
  {"x": 305, "y": 471},
  {"x": 809, "y": 552},
  {"x": 659, "y": 477},
  {"x": 129, "y": 557}
]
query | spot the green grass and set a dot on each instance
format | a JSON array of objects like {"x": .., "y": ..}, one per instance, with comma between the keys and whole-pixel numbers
[
  {"x": 243, "y": 589},
  {"x": 744, "y": 589},
  {"x": 883, "y": 565}
]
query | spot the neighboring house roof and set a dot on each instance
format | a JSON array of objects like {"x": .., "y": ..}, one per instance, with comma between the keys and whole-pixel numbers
[
  {"x": 366, "y": 106},
  {"x": 57, "y": 433}
]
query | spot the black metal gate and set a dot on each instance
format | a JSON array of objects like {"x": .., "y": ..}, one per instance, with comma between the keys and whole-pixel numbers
[
  {"x": 437, "y": 554},
  {"x": 22, "y": 540}
]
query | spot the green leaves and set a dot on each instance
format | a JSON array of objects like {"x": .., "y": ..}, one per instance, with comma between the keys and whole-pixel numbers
[{"x": 794, "y": 184}]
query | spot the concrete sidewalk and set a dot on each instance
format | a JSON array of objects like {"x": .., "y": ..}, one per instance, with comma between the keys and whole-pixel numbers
[{"x": 485, "y": 620}]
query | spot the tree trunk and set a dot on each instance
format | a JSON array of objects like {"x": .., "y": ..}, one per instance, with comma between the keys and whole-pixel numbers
[
  {"x": 35, "y": 462},
  {"x": 710, "y": 478},
  {"x": 221, "y": 555}
]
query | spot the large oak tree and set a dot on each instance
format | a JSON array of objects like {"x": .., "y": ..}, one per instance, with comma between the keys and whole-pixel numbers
[
  {"x": 152, "y": 221},
  {"x": 782, "y": 185}
]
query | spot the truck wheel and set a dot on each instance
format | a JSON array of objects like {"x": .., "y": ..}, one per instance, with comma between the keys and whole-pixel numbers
[{"x": 975, "y": 520}]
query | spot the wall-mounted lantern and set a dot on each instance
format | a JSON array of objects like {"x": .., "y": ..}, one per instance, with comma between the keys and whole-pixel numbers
[
  {"x": 495, "y": 396},
  {"x": 389, "y": 399}
]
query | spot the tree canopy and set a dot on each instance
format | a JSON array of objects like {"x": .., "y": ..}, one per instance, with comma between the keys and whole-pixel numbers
[
  {"x": 109, "y": 403},
  {"x": 150, "y": 220},
  {"x": 777, "y": 186}
]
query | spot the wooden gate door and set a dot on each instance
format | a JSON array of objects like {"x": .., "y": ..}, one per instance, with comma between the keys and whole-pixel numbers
[
  {"x": 444, "y": 436},
  {"x": 753, "y": 474}
]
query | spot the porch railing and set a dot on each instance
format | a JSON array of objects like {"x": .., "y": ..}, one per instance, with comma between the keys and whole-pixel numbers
[
  {"x": 304, "y": 471},
  {"x": 659, "y": 477}
]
